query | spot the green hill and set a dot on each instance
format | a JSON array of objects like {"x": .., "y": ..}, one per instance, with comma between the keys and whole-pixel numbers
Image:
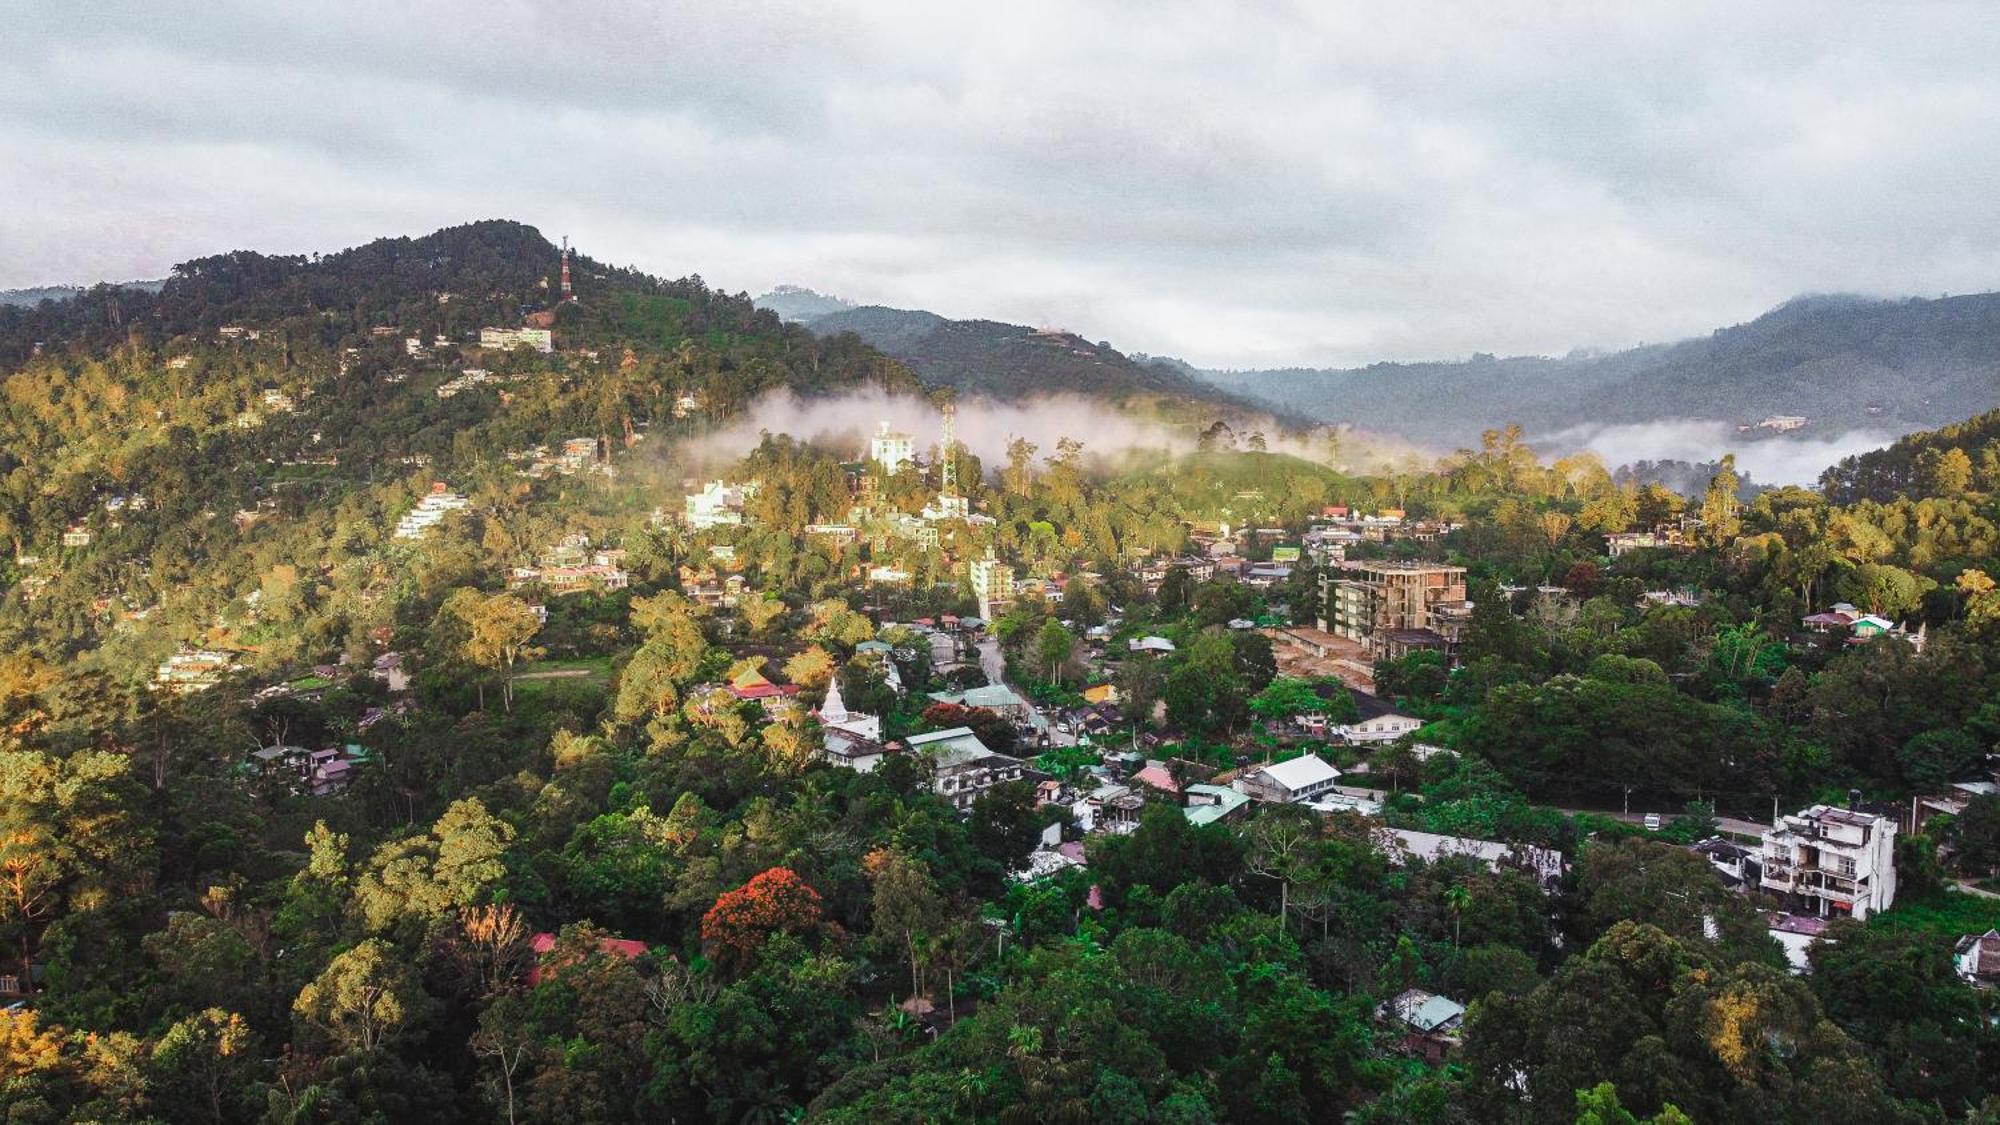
[
  {"x": 1919, "y": 462},
  {"x": 1012, "y": 361},
  {"x": 163, "y": 455}
]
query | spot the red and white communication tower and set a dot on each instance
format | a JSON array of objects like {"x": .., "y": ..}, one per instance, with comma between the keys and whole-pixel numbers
[{"x": 567, "y": 295}]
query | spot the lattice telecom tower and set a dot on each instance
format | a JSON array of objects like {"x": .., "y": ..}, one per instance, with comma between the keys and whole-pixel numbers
[
  {"x": 947, "y": 445},
  {"x": 567, "y": 295}
]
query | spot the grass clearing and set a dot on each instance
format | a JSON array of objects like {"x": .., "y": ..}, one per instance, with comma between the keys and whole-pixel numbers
[{"x": 1946, "y": 915}]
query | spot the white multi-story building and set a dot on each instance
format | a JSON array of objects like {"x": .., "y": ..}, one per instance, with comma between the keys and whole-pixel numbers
[
  {"x": 1832, "y": 861},
  {"x": 891, "y": 449},
  {"x": 992, "y": 583},
  {"x": 716, "y": 505},
  {"x": 506, "y": 339},
  {"x": 429, "y": 512}
]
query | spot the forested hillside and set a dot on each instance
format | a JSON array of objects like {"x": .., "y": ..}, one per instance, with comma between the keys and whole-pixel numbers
[
  {"x": 309, "y": 397},
  {"x": 1946, "y": 461},
  {"x": 1837, "y": 362},
  {"x": 1011, "y": 362}
]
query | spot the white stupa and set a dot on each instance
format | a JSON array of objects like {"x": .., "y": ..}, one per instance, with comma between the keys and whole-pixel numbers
[{"x": 834, "y": 716}]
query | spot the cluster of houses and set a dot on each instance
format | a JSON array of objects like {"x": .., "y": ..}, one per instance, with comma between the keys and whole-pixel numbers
[
  {"x": 465, "y": 380},
  {"x": 1859, "y": 628},
  {"x": 317, "y": 773},
  {"x": 576, "y": 455},
  {"x": 1339, "y": 527},
  {"x": 572, "y": 565},
  {"x": 194, "y": 670},
  {"x": 1618, "y": 544}
]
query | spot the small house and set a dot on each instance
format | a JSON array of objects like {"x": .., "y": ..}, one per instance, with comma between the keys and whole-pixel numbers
[
  {"x": 1430, "y": 1024},
  {"x": 1977, "y": 958},
  {"x": 1300, "y": 779}
]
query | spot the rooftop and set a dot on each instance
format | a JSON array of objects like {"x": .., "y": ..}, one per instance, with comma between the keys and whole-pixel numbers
[
  {"x": 1373, "y": 706},
  {"x": 953, "y": 747},
  {"x": 1210, "y": 803},
  {"x": 1300, "y": 772},
  {"x": 991, "y": 696},
  {"x": 1426, "y": 1011}
]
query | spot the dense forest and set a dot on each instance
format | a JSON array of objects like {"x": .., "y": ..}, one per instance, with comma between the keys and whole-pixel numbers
[
  {"x": 1946, "y": 461},
  {"x": 580, "y": 870}
]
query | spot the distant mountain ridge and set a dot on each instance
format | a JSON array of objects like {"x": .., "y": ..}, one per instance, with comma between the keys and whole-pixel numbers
[
  {"x": 797, "y": 304},
  {"x": 1009, "y": 361},
  {"x": 1836, "y": 361},
  {"x": 35, "y": 295}
]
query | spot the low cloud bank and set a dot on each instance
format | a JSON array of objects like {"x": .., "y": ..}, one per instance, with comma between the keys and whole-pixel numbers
[
  {"x": 1794, "y": 458},
  {"x": 985, "y": 427},
  {"x": 845, "y": 422}
]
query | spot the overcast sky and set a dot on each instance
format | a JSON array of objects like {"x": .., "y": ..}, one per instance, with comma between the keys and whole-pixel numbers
[{"x": 1239, "y": 184}]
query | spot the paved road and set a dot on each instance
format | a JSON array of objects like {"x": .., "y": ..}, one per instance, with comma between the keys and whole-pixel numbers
[
  {"x": 994, "y": 664},
  {"x": 1726, "y": 823},
  {"x": 990, "y": 660}
]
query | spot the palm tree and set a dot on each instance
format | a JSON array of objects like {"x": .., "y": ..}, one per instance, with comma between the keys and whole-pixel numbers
[{"x": 1457, "y": 898}]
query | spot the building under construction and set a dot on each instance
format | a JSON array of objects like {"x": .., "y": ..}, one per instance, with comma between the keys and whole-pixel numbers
[{"x": 1394, "y": 607}]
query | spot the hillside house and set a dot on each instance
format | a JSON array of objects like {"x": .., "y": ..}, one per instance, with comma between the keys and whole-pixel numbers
[
  {"x": 1379, "y": 721},
  {"x": 542, "y": 944},
  {"x": 430, "y": 511},
  {"x": 1299, "y": 779},
  {"x": 1977, "y": 958},
  {"x": 716, "y": 505},
  {"x": 1796, "y": 934},
  {"x": 997, "y": 698},
  {"x": 389, "y": 670},
  {"x": 573, "y": 565},
  {"x": 1430, "y": 1024},
  {"x": 891, "y": 449},
  {"x": 1213, "y": 804},
  {"x": 1618, "y": 544},
  {"x": 1737, "y": 864},
  {"x": 1110, "y": 808},
  {"x": 1827, "y": 860},
  {"x": 962, "y": 766}
]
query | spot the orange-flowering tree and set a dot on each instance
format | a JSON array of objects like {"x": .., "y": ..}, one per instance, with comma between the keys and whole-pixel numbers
[{"x": 773, "y": 901}]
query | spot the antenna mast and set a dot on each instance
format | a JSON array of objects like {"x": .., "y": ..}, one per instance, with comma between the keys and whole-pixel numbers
[
  {"x": 947, "y": 444},
  {"x": 567, "y": 295}
]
